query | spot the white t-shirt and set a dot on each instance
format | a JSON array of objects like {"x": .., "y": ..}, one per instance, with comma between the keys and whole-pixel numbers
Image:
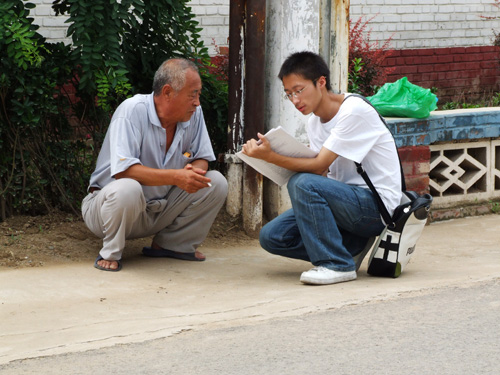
[{"x": 356, "y": 133}]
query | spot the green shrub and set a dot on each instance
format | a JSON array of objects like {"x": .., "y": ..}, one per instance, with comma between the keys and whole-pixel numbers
[
  {"x": 56, "y": 100},
  {"x": 366, "y": 58},
  {"x": 33, "y": 126}
]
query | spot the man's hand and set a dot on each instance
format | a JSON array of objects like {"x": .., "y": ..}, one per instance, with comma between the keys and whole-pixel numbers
[
  {"x": 191, "y": 179},
  {"x": 260, "y": 149}
]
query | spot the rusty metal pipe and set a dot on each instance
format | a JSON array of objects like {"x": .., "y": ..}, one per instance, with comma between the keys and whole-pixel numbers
[
  {"x": 255, "y": 52},
  {"x": 235, "y": 78}
]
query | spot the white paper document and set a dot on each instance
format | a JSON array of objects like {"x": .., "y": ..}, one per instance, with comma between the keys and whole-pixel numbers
[{"x": 282, "y": 143}]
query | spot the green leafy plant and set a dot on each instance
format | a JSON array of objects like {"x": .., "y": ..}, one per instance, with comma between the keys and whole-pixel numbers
[
  {"x": 495, "y": 207},
  {"x": 492, "y": 100},
  {"x": 372, "y": 73},
  {"x": 31, "y": 124},
  {"x": 120, "y": 57},
  {"x": 56, "y": 100},
  {"x": 355, "y": 77}
]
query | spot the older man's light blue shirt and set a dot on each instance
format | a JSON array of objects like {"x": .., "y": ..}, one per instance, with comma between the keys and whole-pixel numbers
[{"x": 135, "y": 136}]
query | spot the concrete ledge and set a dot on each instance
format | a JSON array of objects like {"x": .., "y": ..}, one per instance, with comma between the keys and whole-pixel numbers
[{"x": 446, "y": 126}]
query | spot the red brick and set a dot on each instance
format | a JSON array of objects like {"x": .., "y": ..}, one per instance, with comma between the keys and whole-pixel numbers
[
  {"x": 488, "y": 72},
  {"x": 436, "y": 76},
  {"x": 408, "y": 69},
  {"x": 473, "y": 49},
  {"x": 456, "y": 50},
  {"x": 390, "y": 61},
  {"x": 409, "y": 60},
  {"x": 425, "y": 68},
  {"x": 426, "y": 52},
  {"x": 417, "y": 77},
  {"x": 444, "y": 68},
  {"x": 459, "y": 58},
  {"x": 400, "y": 61},
  {"x": 489, "y": 65},
  {"x": 471, "y": 66},
  {"x": 394, "y": 52},
  {"x": 457, "y": 66},
  {"x": 420, "y": 184},
  {"x": 453, "y": 75},
  {"x": 420, "y": 153},
  {"x": 487, "y": 81},
  {"x": 444, "y": 84},
  {"x": 474, "y": 57},
  {"x": 490, "y": 49},
  {"x": 471, "y": 73},
  {"x": 426, "y": 60},
  {"x": 426, "y": 77},
  {"x": 459, "y": 83},
  {"x": 444, "y": 59},
  {"x": 408, "y": 52},
  {"x": 441, "y": 51},
  {"x": 397, "y": 71}
]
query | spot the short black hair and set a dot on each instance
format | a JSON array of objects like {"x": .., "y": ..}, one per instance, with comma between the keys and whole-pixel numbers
[{"x": 307, "y": 64}]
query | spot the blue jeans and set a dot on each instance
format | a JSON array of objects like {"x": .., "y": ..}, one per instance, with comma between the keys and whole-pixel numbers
[{"x": 328, "y": 224}]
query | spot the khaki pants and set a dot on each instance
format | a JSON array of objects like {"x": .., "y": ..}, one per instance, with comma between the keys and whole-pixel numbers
[{"x": 179, "y": 222}]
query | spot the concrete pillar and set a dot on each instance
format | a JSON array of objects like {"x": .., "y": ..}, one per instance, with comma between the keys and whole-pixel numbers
[{"x": 291, "y": 26}]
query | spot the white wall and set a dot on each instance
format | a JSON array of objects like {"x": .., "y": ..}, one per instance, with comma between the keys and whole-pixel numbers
[
  {"x": 51, "y": 27},
  {"x": 429, "y": 23},
  {"x": 213, "y": 16},
  {"x": 424, "y": 24}
]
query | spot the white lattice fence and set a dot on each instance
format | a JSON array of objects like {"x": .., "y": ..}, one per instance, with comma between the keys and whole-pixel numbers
[
  {"x": 495, "y": 168},
  {"x": 464, "y": 172}
]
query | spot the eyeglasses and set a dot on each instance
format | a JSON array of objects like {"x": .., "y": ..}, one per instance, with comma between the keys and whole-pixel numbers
[{"x": 295, "y": 94}]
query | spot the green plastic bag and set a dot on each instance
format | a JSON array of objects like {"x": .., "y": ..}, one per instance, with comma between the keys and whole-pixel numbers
[{"x": 404, "y": 99}]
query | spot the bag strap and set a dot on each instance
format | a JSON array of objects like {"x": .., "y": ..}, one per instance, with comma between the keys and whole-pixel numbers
[{"x": 359, "y": 168}]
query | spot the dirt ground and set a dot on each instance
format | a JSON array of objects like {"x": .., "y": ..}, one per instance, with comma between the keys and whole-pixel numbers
[{"x": 34, "y": 241}]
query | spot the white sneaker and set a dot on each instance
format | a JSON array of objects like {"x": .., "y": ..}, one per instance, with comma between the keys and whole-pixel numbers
[{"x": 321, "y": 276}]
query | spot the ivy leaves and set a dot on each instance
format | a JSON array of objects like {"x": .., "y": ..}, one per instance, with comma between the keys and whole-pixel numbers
[{"x": 18, "y": 34}]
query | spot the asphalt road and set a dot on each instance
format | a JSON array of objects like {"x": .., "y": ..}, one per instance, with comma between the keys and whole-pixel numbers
[{"x": 443, "y": 331}]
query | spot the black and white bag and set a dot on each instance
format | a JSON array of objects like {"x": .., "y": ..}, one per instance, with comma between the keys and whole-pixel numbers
[{"x": 396, "y": 244}]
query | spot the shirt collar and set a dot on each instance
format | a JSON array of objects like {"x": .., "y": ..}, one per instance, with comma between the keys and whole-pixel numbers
[
  {"x": 155, "y": 120},
  {"x": 153, "y": 116}
]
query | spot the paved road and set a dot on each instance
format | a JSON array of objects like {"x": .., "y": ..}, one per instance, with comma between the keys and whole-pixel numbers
[{"x": 449, "y": 330}]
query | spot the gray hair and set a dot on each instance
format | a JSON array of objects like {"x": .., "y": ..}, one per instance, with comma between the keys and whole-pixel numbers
[{"x": 173, "y": 73}]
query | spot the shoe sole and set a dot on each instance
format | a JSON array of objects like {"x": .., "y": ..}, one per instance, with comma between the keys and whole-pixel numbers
[{"x": 313, "y": 281}]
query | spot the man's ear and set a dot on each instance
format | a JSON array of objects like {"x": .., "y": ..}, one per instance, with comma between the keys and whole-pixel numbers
[
  {"x": 321, "y": 82},
  {"x": 167, "y": 91}
]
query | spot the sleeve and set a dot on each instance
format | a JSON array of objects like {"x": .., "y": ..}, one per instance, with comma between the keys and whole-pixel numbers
[
  {"x": 355, "y": 134},
  {"x": 125, "y": 145},
  {"x": 201, "y": 146}
]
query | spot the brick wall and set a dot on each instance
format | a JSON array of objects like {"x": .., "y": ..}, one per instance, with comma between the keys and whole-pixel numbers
[
  {"x": 416, "y": 166},
  {"x": 213, "y": 16},
  {"x": 459, "y": 73},
  {"x": 429, "y": 23},
  {"x": 446, "y": 44},
  {"x": 52, "y": 27}
]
